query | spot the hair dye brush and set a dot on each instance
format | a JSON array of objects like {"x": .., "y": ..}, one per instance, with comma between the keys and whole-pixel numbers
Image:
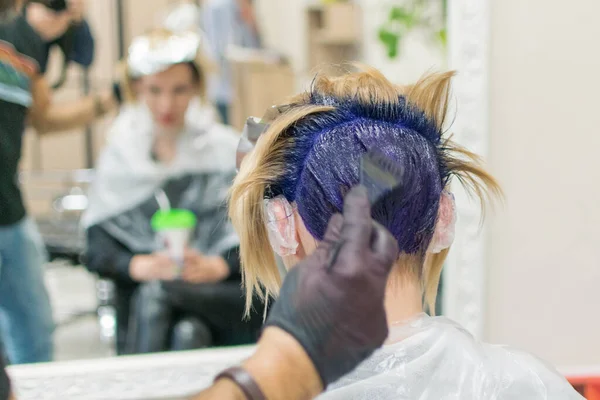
[{"x": 380, "y": 175}]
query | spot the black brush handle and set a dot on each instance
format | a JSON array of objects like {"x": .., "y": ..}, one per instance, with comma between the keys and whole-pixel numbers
[{"x": 380, "y": 175}]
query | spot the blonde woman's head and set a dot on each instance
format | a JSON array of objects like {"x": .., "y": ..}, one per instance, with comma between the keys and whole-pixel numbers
[{"x": 311, "y": 155}]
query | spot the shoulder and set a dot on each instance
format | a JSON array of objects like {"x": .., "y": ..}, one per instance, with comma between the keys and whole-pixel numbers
[
  {"x": 22, "y": 57},
  {"x": 22, "y": 46},
  {"x": 202, "y": 118},
  {"x": 225, "y": 136},
  {"x": 536, "y": 377},
  {"x": 455, "y": 364},
  {"x": 127, "y": 139},
  {"x": 132, "y": 120},
  {"x": 218, "y": 146}
]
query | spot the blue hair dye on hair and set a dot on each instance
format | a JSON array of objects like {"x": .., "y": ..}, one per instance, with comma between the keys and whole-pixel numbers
[{"x": 325, "y": 162}]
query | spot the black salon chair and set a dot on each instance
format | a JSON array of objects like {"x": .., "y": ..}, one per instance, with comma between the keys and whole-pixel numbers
[{"x": 65, "y": 242}]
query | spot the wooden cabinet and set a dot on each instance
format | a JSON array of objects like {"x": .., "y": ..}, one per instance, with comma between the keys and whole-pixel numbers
[
  {"x": 261, "y": 80},
  {"x": 334, "y": 35}
]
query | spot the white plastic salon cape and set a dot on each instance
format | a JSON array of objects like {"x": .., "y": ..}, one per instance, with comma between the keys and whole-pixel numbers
[
  {"x": 433, "y": 358},
  {"x": 126, "y": 175}
]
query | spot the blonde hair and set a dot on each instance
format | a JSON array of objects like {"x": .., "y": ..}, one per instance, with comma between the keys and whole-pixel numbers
[
  {"x": 202, "y": 63},
  {"x": 266, "y": 165}
]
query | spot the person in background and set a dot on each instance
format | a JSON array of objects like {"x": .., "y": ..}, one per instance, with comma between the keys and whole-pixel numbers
[
  {"x": 77, "y": 44},
  {"x": 46, "y": 116},
  {"x": 7, "y": 7},
  {"x": 166, "y": 150},
  {"x": 226, "y": 23},
  {"x": 25, "y": 313}
]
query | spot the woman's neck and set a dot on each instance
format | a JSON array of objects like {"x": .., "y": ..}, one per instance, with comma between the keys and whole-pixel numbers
[
  {"x": 403, "y": 299},
  {"x": 164, "y": 147},
  {"x": 170, "y": 134}
]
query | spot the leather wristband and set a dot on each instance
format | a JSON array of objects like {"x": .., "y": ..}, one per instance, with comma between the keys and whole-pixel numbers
[{"x": 244, "y": 381}]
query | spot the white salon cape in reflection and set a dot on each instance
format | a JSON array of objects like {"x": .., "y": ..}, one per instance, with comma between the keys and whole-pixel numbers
[
  {"x": 433, "y": 358},
  {"x": 126, "y": 175}
]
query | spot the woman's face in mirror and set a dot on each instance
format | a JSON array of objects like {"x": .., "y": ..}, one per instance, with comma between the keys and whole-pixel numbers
[{"x": 168, "y": 95}]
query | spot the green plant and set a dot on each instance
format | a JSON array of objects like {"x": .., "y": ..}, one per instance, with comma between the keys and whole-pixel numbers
[{"x": 410, "y": 15}]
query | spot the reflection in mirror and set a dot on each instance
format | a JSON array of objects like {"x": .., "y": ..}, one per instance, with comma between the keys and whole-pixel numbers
[
  {"x": 120, "y": 284},
  {"x": 141, "y": 247}
]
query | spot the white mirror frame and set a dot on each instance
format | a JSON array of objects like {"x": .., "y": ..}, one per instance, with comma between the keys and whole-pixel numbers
[{"x": 464, "y": 293}]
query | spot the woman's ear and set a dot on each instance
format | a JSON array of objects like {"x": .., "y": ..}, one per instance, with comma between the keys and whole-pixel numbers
[
  {"x": 445, "y": 226},
  {"x": 300, "y": 254},
  {"x": 281, "y": 227}
]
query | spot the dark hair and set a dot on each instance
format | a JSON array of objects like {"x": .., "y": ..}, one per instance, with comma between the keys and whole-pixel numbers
[{"x": 196, "y": 75}]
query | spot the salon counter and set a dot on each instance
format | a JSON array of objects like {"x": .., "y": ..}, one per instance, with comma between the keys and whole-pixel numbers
[{"x": 146, "y": 377}]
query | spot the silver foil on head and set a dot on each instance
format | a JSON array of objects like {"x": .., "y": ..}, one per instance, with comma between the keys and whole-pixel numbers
[
  {"x": 253, "y": 129},
  {"x": 150, "y": 55},
  {"x": 183, "y": 17},
  {"x": 250, "y": 135}
]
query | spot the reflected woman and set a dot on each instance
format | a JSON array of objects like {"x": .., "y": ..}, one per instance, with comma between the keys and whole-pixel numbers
[{"x": 166, "y": 149}]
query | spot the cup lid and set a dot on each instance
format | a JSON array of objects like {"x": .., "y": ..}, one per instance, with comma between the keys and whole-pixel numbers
[{"x": 173, "y": 219}]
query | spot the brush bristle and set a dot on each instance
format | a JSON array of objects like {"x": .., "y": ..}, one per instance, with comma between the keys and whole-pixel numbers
[{"x": 380, "y": 175}]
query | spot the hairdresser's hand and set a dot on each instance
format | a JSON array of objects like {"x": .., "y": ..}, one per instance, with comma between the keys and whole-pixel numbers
[
  {"x": 152, "y": 267},
  {"x": 76, "y": 10},
  {"x": 47, "y": 23},
  {"x": 199, "y": 268},
  {"x": 332, "y": 302}
]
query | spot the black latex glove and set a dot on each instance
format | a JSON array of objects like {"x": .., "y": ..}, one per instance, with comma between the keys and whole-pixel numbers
[{"x": 332, "y": 302}]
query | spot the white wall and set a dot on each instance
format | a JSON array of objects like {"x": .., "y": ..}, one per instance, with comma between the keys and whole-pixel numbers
[
  {"x": 284, "y": 28},
  {"x": 544, "y": 247},
  {"x": 543, "y": 253},
  {"x": 418, "y": 53}
]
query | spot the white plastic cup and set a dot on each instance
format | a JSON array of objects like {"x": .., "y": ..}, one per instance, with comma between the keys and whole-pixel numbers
[{"x": 174, "y": 229}]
